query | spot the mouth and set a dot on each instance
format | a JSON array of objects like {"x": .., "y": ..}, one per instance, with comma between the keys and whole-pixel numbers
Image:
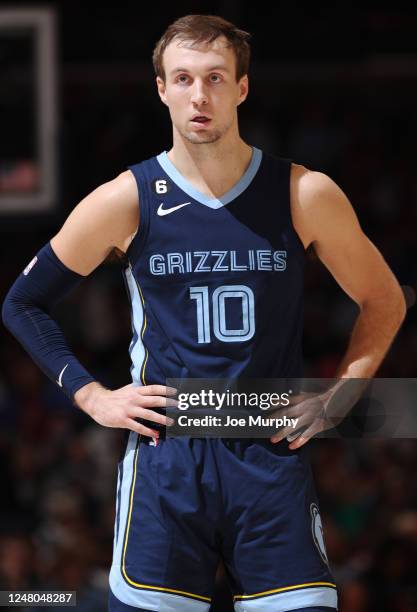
[{"x": 200, "y": 120}]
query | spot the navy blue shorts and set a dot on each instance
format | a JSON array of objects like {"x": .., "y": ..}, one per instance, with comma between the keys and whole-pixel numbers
[{"x": 183, "y": 504}]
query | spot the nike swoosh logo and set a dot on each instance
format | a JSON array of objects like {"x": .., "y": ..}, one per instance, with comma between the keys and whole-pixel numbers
[
  {"x": 59, "y": 381},
  {"x": 166, "y": 211}
]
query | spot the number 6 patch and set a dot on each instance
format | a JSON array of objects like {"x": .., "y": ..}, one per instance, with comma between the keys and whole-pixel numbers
[{"x": 160, "y": 186}]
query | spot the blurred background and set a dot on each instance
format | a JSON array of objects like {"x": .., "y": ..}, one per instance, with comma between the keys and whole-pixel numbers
[{"x": 332, "y": 87}]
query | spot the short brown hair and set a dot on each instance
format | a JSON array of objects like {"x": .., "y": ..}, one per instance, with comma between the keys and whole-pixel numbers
[{"x": 199, "y": 29}]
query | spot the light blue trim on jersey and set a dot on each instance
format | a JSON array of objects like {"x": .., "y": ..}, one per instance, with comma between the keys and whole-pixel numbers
[
  {"x": 156, "y": 600},
  {"x": 117, "y": 517},
  {"x": 290, "y": 600},
  {"x": 141, "y": 598},
  {"x": 137, "y": 350},
  {"x": 226, "y": 198},
  {"x": 128, "y": 461}
]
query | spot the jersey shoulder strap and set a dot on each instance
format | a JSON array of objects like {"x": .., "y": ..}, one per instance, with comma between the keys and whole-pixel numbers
[{"x": 142, "y": 172}]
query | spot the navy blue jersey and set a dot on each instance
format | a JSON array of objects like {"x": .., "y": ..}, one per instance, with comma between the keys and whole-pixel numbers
[
  {"x": 217, "y": 292},
  {"x": 216, "y": 284}
]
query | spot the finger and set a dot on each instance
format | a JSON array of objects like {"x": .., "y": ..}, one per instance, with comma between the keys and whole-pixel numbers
[
  {"x": 309, "y": 408},
  {"x": 300, "y": 406},
  {"x": 141, "y": 429},
  {"x": 156, "y": 390},
  {"x": 305, "y": 437},
  {"x": 302, "y": 422},
  {"x": 151, "y": 415},
  {"x": 156, "y": 401},
  {"x": 295, "y": 434},
  {"x": 297, "y": 410},
  {"x": 300, "y": 441}
]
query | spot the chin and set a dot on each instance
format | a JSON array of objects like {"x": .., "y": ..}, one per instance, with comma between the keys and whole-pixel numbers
[
  {"x": 202, "y": 138},
  {"x": 201, "y": 141}
]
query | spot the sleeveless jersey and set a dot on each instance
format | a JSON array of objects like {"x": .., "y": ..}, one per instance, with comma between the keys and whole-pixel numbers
[{"x": 216, "y": 284}]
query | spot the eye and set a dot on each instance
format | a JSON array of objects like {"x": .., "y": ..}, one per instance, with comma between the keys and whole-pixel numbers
[
  {"x": 182, "y": 76},
  {"x": 217, "y": 76}
]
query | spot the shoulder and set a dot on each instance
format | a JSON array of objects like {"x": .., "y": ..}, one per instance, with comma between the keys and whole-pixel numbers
[
  {"x": 108, "y": 216},
  {"x": 317, "y": 202},
  {"x": 119, "y": 195},
  {"x": 121, "y": 190},
  {"x": 123, "y": 200},
  {"x": 309, "y": 185}
]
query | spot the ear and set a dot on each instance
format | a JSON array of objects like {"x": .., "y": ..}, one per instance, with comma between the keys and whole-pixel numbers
[
  {"x": 161, "y": 89},
  {"x": 243, "y": 89}
]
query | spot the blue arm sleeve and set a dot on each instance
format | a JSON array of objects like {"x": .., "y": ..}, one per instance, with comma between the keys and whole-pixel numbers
[{"x": 44, "y": 282}]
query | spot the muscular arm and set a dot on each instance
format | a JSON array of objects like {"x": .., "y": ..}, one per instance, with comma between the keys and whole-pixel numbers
[
  {"x": 326, "y": 219},
  {"x": 106, "y": 219},
  {"x": 100, "y": 222}
]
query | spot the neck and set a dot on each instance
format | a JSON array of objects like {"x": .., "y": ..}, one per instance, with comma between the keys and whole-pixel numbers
[{"x": 213, "y": 168}]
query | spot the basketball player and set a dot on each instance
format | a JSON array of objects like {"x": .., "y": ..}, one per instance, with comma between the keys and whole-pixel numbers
[{"x": 215, "y": 232}]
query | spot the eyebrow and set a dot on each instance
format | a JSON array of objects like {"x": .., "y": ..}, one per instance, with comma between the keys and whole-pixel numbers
[{"x": 218, "y": 67}]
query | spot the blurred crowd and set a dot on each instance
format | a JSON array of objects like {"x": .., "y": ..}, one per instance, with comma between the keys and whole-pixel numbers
[{"x": 58, "y": 475}]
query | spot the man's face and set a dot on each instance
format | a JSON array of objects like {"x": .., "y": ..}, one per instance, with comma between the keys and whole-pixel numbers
[{"x": 201, "y": 81}]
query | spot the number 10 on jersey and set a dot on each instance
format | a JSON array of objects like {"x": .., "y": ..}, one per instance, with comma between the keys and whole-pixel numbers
[{"x": 243, "y": 299}]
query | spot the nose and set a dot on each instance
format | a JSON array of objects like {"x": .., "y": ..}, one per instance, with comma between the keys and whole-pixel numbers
[{"x": 198, "y": 95}]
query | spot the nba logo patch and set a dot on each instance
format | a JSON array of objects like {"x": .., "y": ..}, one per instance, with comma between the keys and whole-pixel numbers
[{"x": 30, "y": 266}]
